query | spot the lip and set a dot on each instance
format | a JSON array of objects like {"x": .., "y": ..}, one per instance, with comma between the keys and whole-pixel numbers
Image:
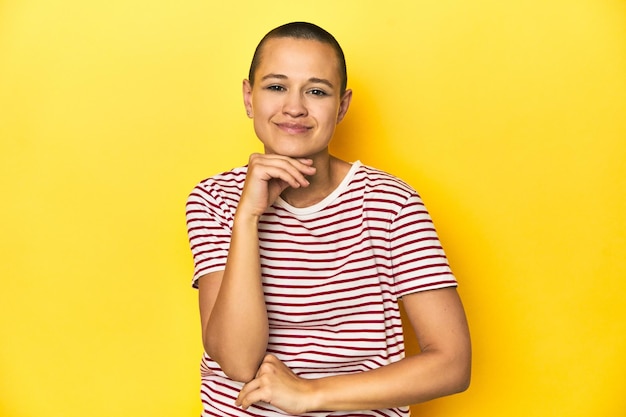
[{"x": 293, "y": 128}]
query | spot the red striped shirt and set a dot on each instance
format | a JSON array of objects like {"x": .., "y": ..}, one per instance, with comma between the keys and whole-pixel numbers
[{"x": 332, "y": 275}]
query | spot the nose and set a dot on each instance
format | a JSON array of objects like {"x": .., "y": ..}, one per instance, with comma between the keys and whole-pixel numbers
[{"x": 294, "y": 104}]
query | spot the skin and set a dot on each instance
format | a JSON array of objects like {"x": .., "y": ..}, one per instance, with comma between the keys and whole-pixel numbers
[{"x": 295, "y": 105}]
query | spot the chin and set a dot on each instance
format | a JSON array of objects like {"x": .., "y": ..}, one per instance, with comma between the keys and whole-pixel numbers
[
  {"x": 294, "y": 153},
  {"x": 296, "y": 150}
]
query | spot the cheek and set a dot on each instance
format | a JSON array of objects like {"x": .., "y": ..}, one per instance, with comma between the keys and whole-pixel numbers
[
  {"x": 331, "y": 116},
  {"x": 325, "y": 112},
  {"x": 266, "y": 107}
]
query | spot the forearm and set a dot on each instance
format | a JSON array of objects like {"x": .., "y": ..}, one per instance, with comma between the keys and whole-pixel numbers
[
  {"x": 412, "y": 380},
  {"x": 442, "y": 368},
  {"x": 236, "y": 333}
]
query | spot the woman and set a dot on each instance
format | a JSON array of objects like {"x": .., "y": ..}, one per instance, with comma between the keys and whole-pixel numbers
[{"x": 301, "y": 260}]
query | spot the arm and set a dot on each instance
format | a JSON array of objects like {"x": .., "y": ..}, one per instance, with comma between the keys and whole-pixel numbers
[
  {"x": 232, "y": 304},
  {"x": 232, "y": 307},
  {"x": 442, "y": 368}
]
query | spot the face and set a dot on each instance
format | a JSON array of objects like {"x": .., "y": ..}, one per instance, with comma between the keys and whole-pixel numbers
[{"x": 296, "y": 100}]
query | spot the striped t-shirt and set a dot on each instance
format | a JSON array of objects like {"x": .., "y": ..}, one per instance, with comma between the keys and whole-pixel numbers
[{"x": 332, "y": 275}]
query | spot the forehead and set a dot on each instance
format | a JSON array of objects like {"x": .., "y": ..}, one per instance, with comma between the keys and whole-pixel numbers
[{"x": 292, "y": 57}]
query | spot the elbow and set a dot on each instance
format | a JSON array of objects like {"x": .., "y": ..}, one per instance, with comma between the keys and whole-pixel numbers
[
  {"x": 462, "y": 382},
  {"x": 233, "y": 366},
  {"x": 454, "y": 370},
  {"x": 462, "y": 375},
  {"x": 238, "y": 373},
  {"x": 460, "y": 361}
]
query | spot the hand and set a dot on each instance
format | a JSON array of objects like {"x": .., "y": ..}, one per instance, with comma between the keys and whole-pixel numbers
[
  {"x": 268, "y": 176},
  {"x": 277, "y": 385}
]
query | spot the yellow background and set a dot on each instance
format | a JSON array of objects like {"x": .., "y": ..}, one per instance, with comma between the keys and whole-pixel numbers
[{"x": 508, "y": 117}]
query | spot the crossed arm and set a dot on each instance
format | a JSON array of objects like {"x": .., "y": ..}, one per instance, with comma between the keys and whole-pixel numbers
[
  {"x": 232, "y": 303},
  {"x": 235, "y": 330},
  {"x": 441, "y": 368}
]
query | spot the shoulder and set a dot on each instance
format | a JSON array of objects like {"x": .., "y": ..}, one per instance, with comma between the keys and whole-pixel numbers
[
  {"x": 226, "y": 184},
  {"x": 233, "y": 179},
  {"x": 379, "y": 182}
]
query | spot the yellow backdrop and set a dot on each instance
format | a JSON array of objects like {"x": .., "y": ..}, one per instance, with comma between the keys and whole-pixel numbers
[{"x": 508, "y": 117}]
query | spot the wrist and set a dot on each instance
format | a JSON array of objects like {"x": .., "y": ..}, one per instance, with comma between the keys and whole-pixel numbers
[
  {"x": 244, "y": 219},
  {"x": 315, "y": 401}
]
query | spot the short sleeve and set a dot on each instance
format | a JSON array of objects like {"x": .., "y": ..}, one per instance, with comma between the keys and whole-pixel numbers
[
  {"x": 209, "y": 228},
  {"x": 418, "y": 260}
]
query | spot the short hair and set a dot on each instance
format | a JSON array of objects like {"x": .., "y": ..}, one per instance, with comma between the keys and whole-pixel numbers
[{"x": 302, "y": 30}]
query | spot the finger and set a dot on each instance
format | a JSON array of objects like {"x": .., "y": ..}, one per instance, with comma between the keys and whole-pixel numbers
[
  {"x": 253, "y": 394},
  {"x": 268, "y": 366},
  {"x": 284, "y": 171},
  {"x": 302, "y": 165},
  {"x": 253, "y": 391},
  {"x": 305, "y": 165},
  {"x": 269, "y": 358},
  {"x": 245, "y": 392},
  {"x": 291, "y": 178}
]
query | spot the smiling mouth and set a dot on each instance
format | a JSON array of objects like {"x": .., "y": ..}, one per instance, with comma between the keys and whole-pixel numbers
[{"x": 293, "y": 128}]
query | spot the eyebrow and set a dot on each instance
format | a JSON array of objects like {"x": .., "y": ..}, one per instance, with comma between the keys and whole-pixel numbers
[{"x": 311, "y": 80}]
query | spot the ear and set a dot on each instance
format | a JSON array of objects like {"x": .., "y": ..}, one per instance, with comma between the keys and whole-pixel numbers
[
  {"x": 247, "y": 98},
  {"x": 343, "y": 105}
]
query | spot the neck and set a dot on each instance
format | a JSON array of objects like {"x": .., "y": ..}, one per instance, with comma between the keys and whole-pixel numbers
[{"x": 330, "y": 171}]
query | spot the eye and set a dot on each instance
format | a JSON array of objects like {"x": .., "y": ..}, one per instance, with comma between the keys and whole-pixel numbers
[
  {"x": 318, "y": 92},
  {"x": 275, "y": 87}
]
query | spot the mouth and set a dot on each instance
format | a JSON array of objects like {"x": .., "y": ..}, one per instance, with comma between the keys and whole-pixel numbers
[{"x": 293, "y": 128}]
